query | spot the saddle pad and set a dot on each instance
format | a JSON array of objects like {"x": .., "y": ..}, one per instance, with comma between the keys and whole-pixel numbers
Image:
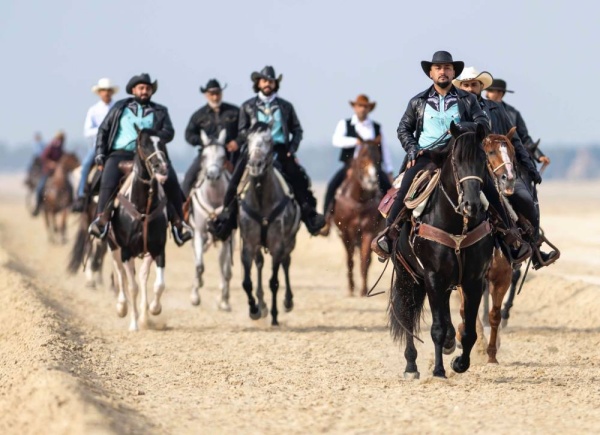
[{"x": 125, "y": 189}]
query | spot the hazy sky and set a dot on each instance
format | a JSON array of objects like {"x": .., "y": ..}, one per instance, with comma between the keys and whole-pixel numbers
[{"x": 328, "y": 51}]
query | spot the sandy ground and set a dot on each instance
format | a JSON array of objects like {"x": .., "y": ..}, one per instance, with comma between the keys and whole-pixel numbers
[{"x": 68, "y": 364}]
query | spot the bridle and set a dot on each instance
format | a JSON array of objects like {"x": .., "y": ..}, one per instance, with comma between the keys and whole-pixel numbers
[{"x": 147, "y": 162}]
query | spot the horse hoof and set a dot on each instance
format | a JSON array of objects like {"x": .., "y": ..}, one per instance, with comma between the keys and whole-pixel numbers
[
  {"x": 121, "y": 309},
  {"x": 457, "y": 366},
  {"x": 411, "y": 376},
  {"x": 274, "y": 323},
  {"x": 288, "y": 305},
  {"x": 155, "y": 308},
  {"x": 449, "y": 350},
  {"x": 264, "y": 311},
  {"x": 90, "y": 285},
  {"x": 133, "y": 328},
  {"x": 224, "y": 306},
  {"x": 195, "y": 299},
  {"x": 256, "y": 314},
  {"x": 504, "y": 323}
]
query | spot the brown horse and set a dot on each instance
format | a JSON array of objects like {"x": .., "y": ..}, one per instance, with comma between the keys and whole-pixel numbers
[
  {"x": 58, "y": 196},
  {"x": 355, "y": 212}
]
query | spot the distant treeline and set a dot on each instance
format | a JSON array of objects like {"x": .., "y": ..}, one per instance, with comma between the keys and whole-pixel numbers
[{"x": 321, "y": 161}]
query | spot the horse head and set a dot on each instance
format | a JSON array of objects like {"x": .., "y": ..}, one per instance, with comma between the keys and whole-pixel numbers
[
  {"x": 69, "y": 161},
  {"x": 213, "y": 154},
  {"x": 468, "y": 161},
  {"x": 151, "y": 156},
  {"x": 260, "y": 149},
  {"x": 364, "y": 167},
  {"x": 501, "y": 156}
]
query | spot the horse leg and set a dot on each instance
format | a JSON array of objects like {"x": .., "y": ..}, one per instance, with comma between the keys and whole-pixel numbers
[
  {"x": 119, "y": 273},
  {"x": 499, "y": 282},
  {"x": 132, "y": 290},
  {"x": 439, "y": 303},
  {"x": 225, "y": 263},
  {"x": 288, "y": 302},
  {"x": 247, "y": 259},
  {"x": 99, "y": 249},
  {"x": 49, "y": 228},
  {"x": 260, "y": 293},
  {"x": 198, "y": 255},
  {"x": 89, "y": 275},
  {"x": 365, "y": 260},
  {"x": 274, "y": 284},
  {"x": 348, "y": 240},
  {"x": 472, "y": 292},
  {"x": 159, "y": 285},
  {"x": 63, "y": 227},
  {"x": 450, "y": 340},
  {"x": 143, "y": 277},
  {"x": 516, "y": 275}
]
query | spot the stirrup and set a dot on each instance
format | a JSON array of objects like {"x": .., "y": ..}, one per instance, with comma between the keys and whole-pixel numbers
[
  {"x": 184, "y": 236},
  {"x": 96, "y": 230}
]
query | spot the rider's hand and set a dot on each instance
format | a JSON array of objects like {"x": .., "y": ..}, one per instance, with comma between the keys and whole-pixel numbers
[
  {"x": 99, "y": 160},
  {"x": 535, "y": 177},
  {"x": 544, "y": 160},
  {"x": 232, "y": 146},
  {"x": 412, "y": 157}
]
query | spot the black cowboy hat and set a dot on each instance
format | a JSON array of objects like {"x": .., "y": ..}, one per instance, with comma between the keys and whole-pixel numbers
[
  {"x": 268, "y": 73},
  {"x": 499, "y": 85},
  {"x": 143, "y": 78},
  {"x": 212, "y": 85},
  {"x": 442, "y": 57}
]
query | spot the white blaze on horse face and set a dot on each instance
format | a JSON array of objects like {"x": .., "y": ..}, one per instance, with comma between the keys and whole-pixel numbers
[
  {"x": 507, "y": 161},
  {"x": 213, "y": 160}
]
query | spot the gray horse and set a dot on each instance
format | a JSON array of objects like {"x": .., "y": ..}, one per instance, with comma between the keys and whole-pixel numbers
[{"x": 269, "y": 218}]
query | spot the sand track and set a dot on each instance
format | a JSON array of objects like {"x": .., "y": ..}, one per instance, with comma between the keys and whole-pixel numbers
[{"x": 68, "y": 364}]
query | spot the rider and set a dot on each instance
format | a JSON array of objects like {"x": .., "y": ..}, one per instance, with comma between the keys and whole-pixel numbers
[
  {"x": 522, "y": 199},
  {"x": 496, "y": 93},
  {"x": 116, "y": 142},
  {"x": 49, "y": 157},
  {"x": 95, "y": 115},
  {"x": 349, "y": 135},
  {"x": 268, "y": 107},
  {"x": 426, "y": 124},
  {"x": 211, "y": 118}
]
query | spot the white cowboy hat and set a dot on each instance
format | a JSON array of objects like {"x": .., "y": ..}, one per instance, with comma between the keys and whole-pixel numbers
[
  {"x": 470, "y": 73},
  {"x": 104, "y": 83}
]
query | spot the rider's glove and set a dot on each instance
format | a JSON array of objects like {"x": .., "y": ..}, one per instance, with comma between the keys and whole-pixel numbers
[
  {"x": 99, "y": 159},
  {"x": 535, "y": 176},
  {"x": 412, "y": 154}
]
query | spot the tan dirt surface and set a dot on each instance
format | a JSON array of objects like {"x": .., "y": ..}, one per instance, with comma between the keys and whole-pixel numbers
[{"x": 69, "y": 365}]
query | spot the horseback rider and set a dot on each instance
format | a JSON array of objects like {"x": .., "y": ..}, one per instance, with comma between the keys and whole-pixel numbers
[
  {"x": 211, "y": 118},
  {"x": 268, "y": 107},
  {"x": 350, "y": 134},
  {"x": 49, "y": 158},
  {"x": 95, "y": 115},
  {"x": 425, "y": 125},
  {"x": 496, "y": 93},
  {"x": 116, "y": 142},
  {"x": 522, "y": 199}
]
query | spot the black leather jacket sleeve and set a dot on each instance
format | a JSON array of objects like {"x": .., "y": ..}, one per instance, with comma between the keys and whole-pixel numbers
[
  {"x": 165, "y": 130},
  {"x": 475, "y": 115},
  {"x": 407, "y": 127},
  {"x": 106, "y": 128},
  {"x": 244, "y": 123},
  {"x": 295, "y": 129},
  {"x": 192, "y": 132}
]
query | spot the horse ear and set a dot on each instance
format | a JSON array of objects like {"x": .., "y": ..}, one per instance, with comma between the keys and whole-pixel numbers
[
  {"x": 204, "y": 138},
  {"x": 479, "y": 133},
  {"x": 222, "y": 136},
  {"x": 137, "y": 128},
  {"x": 511, "y": 133},
  {"x": 454, "y": 131}
]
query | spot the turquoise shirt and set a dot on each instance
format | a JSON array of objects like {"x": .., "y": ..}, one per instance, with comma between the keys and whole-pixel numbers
[
  {"x": 436, "y": 120},
  {"x": 266, "y": 116},
  {"x": 126, "y": 134}
]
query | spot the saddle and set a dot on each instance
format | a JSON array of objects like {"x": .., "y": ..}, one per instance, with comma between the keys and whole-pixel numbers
[{"x": 421, "y": 188}]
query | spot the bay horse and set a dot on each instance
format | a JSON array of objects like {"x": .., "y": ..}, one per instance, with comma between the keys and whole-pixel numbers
[
  {"x": 451, "y": 245},
  {"x": 355, "y": 212},
  {"x": 207, "y": 202},
  {"x": 58, "y": 197},
  {"x": 269, "y": 218},
  {"x": 139, "y": 228}
]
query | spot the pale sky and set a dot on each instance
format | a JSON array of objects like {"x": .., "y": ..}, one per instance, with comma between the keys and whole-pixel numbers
[{"x": 328, "y": 52}]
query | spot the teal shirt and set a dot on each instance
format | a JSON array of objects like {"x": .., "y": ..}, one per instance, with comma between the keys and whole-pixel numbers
[
  {"x": 126, "y": 134},
  {"x": 275, "y": 115},
  {"x": 436, "y": 120}
]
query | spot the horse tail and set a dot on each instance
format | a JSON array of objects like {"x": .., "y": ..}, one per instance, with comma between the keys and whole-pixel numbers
[
  {"x": 405, "y": 306},
  {"x": 78, "y": 251}
]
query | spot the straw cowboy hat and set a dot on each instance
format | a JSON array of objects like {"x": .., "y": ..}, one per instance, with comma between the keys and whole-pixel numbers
[
  {"x": 143, "y": 78},
  {"x": 104, "y": 83},
  {"x": 499, "y": 85},
  {"x": 212, "y": 85},
  {"x": 470, "y": 73},
  {"x": 362, "y": 99},
  {"x": 442, "y": 57}
]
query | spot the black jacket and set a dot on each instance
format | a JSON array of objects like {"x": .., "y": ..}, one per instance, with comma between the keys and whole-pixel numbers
[
  {"x": 517, "y": 119},
  {"x": 291, "y": 124},
  {"x": 211, "y": 122},
  {"x": 411, "y": 124},
  {"x": 501, "y": 124},
  {"x": 109, "y": 127}
]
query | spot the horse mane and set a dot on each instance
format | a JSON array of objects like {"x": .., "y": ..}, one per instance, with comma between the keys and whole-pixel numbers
[{"x": 260, "y": 127}]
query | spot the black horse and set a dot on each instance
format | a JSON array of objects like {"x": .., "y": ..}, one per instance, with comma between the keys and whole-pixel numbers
[
  {"x": 450, "y": 246},
  {"x": 139, "y": 226}
]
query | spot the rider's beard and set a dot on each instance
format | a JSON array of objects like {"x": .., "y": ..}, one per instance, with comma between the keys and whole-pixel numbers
[
  {"x": 142, "y": 99},
  {"x": 265, "y": 92},
  {"x": 444, "y": 85}
]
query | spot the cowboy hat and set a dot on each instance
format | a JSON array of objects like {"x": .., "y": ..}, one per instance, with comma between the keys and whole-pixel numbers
[
  {"x": 143, "y": 78},
  {"x": 470, "y": 73},
  {"x": 442, "y": 57},
  {"x": 499, "y": 85},
  {"x": 212, "y": 85},
  {"x": 105, "y": 83},
  {"x": 362, "y": 99},
  {"x": 267, "y": 73}
]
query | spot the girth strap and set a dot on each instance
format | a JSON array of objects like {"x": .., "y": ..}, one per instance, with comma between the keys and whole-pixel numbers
[
  {"x": 266, "y": 221},
  {"x": 135, "y": 214}
]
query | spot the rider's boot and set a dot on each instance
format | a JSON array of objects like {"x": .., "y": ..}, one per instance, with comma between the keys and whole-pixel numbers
[
  {"x": 544, "y": 259},
  {"x": 180, "y": 230},
  {"x": 78, "y": 205},
  {"x": 327, "y": 227},
  {"x": 383, "y": 242},
  {"x": 99, "y": 226},
  {"x": 312, "y": 220},
  {"x": 222, "y": 226}
]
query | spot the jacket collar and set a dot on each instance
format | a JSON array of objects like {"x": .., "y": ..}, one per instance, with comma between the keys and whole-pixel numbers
[{"x": 430, "y": 90}]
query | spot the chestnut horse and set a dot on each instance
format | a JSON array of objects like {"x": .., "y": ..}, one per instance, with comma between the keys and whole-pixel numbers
[
  {"x": 355, "y": 212},
  {"x": 58, "y": 196}
]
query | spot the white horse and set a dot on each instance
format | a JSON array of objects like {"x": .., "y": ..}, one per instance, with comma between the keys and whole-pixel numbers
[{"x": 207, "y": 202}]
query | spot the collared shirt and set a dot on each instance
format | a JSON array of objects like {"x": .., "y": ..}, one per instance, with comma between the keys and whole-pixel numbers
[
  {"x": 268, "y": 111},
  {"x": 93, "y": 119},
  {"x": 366, "y": 130},
  {"x": 440, "y": 111},
  {"x": 39, "y": 147},
  {"x": 134, "y": 114}
]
